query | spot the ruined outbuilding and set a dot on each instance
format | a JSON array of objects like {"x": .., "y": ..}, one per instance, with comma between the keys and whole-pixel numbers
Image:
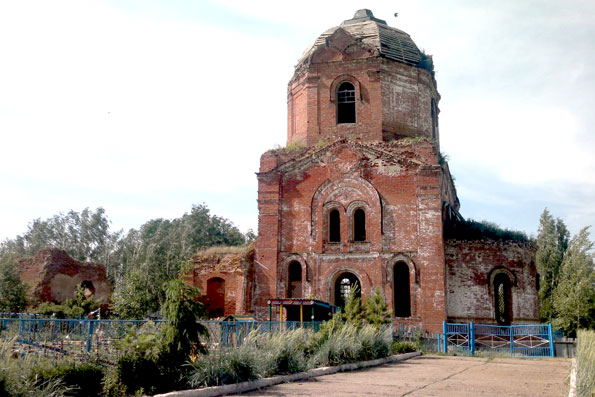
[
  {"x": 361, "y": 195},
  {"x": 53, "y": 276}
]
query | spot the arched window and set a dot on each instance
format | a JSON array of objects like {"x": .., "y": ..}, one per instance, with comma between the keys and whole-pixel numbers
[
  {"x": 502, "y": 299},
  {"x": 359, "y": 225},
  {"x": 216, "y": 297},
  {"x": 346, "y": 103},
  {"x": 402, "y": 292},
  {"x": 295, "y": 280},
  {"x": 343, "y": 286},
  {"x": 334, "y": 226}
]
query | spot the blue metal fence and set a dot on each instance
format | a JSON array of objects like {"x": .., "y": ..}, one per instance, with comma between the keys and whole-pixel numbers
[
  {"x": 80, "y": 337},
  {"x": 533, "y": 340}
]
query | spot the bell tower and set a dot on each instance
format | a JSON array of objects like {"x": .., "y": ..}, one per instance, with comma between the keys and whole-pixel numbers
[{"x": 362, "y": 80}]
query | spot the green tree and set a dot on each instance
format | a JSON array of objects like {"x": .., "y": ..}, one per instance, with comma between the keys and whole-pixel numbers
[
  {"x": 376, "y": 311},
  {"x": 182, "y": 333},
  {"x": 12, "y": 290},
  {"x": 574, "y": 297},
  {"x": 134, "y": 295},
  {"x": 353, "y": 311},
  {"x": 552, "y": 241}
]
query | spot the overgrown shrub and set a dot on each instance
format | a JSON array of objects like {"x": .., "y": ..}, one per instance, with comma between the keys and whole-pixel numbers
[
  {"x": 474, "y": 230},
  {"x": 400, "y": 347},
  {"x": 82, "y": 379},
  {"x": 585, "y": 363}
]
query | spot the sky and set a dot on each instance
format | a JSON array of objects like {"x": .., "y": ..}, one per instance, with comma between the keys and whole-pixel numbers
[{"x": 147, "y": 107}]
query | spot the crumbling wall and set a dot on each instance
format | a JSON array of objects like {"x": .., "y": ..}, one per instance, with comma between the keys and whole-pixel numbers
[
  {"x": 236, "y": 271},
  {"x": 470, "y": 297}
]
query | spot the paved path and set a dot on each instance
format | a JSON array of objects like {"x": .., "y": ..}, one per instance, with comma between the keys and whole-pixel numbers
[{"x": 439, "y": 376}]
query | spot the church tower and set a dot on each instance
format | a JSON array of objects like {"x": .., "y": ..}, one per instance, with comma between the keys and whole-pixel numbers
[
  {"x": 362, "y": 80},
  {"x": 359, "y": 195}
]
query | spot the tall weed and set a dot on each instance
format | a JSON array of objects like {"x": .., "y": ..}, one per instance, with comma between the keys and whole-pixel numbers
[{"x": 585, "y": 363}]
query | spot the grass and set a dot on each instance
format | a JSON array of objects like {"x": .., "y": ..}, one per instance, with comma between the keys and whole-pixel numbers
[
  {"x": 585, "y": 363},
  {"x": 223, "y": 250}
]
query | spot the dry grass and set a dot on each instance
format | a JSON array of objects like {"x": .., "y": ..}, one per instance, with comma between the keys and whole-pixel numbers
[
  {"x": 585, "y": 363},
  {"x": 219, "y": 250}
]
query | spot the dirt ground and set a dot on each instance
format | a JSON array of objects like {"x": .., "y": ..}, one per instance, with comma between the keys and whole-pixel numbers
[{"x": 439, "y": 376}]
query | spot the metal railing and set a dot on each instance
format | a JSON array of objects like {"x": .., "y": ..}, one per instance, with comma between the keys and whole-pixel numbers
[
  {"x": 532, "y": 340},
  {"x": 84, "y": 338}
]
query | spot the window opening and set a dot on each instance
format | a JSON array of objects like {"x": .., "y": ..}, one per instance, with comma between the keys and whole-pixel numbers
[
  {"x": 346, "y": 103},
  {"x": 402, "y": 291},
  {"x": 359, "y": 225},
  {"x": 343, "y": 286},
  {"x": 295, "y": 280},
  {"x": 502, "y": 299},
  {"x": 334, "y": 222}
]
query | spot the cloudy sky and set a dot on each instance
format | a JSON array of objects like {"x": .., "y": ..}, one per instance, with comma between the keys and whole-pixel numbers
[{"x": 147, "y": 107}]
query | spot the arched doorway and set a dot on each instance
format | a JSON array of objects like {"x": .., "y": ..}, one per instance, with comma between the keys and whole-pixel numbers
[
  {"x": 502, "y": 299},
  {"x": 216, "y": 297},
  {"x": 402, "y": 290},
  {"x": 295, "y": 280},
  {"x": 343, "y": 286}
]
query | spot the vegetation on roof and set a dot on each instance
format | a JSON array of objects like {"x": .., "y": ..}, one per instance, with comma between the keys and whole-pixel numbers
[
  {"x": 220, "y": 250},
  {"x": 481, "y": 230}
]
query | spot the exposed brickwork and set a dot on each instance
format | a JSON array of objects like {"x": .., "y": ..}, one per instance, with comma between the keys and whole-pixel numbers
[
  {"x": 52, "y": 276},
  {"x": 471, "y": 266}
]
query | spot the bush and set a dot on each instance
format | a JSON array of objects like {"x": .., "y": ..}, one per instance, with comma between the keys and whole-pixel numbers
[
  {"x": 82, "y": 379},
  {"x": 400, "y": 347},
  {"x": 585, "y": 363}
]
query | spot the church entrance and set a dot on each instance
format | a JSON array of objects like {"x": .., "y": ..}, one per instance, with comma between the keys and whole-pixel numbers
[{"x": 343, "y": 286}]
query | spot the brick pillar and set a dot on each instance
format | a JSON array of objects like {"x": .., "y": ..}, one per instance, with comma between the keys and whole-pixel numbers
[
  {"x": 267, "y": 243},
  {"x": 431, "y": 250}
]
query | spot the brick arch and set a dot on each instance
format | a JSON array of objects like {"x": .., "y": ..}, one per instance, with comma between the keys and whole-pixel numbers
[
  {"x": 414, "y": 285},
  {"x": 366, "y": 191},
  {"x": 497, "y": 270},
  {"x": 363, "y": 278},
  {"x": 332, "y": 90}
]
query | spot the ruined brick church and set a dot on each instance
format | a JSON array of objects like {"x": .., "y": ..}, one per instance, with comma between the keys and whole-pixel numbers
[{"x": 361, "y": 196}]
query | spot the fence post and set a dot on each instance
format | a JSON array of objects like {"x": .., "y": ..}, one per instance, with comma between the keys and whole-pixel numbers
[
  {"x": 439, "y": 343},
  {"x": 445, "y": 337},
  {"x": 551, "y": 338},
  {"x": 90, "y": 335},
  {"x": 472, "y": 338},
  {"x": 511, "y": 340}
]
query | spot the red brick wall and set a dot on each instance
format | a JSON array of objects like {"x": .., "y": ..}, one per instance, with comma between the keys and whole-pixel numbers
[
  {"x": 402, "y": 200},
  {"x": 392, "y": 99},
  {"x": 469, "y": 265}
]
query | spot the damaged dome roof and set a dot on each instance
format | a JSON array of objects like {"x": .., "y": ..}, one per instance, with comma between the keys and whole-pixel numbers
[{"x": 390, "y": 42}]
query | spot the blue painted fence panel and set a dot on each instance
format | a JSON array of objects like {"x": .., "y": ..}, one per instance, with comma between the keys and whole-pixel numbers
[{"x": 532, "y": 340}]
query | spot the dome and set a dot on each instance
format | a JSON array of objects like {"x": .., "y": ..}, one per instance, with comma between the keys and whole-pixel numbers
[{"x": 389, "y": 42}]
